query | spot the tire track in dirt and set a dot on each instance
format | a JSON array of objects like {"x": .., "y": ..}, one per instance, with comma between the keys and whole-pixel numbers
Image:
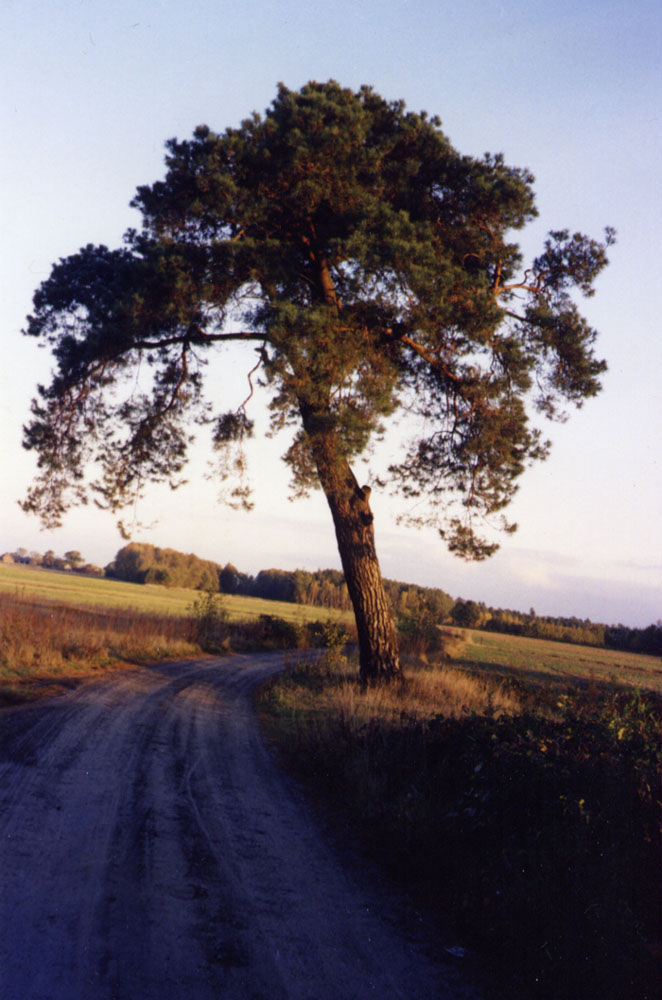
[{"x": 151, "y": 848}]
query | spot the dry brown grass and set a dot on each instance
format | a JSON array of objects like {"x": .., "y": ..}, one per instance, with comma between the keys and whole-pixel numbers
[
  {"x": 428, "y": 690},
  {"x": 332, "y": 691},
  {"x": 39, "y": 640},
  {"x": 426, "y": 693}
]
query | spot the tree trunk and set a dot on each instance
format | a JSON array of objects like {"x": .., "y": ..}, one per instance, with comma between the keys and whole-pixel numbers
[{"x": 353, "y": 520}]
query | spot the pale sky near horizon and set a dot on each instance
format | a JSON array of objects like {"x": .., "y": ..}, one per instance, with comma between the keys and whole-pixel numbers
[{"x": 572, "y": 90}]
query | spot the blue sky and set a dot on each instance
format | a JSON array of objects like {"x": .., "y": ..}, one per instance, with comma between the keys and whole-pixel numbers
[{"x": 91, "y": 90}]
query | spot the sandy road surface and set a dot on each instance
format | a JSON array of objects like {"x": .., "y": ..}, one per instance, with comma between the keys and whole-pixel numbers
[{"x": 151, "y": 849}]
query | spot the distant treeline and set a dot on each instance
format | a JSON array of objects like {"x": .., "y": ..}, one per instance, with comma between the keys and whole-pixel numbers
[
  {"x": 325, "y": 588},
  {"x": 415, "y": 606},
  {"x": 140, "y": 563},
  {"x": 575, "y": 630}
]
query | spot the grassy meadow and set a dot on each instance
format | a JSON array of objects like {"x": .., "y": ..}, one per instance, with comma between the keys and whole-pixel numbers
[
  {"x": 553, "y": 664},
  {"x": 83, "y": 591}
]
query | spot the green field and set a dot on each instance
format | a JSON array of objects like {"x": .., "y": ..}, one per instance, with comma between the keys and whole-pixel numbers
[
  {"x": 544, "y": 661},
  {"x": 81, "y": 591}
]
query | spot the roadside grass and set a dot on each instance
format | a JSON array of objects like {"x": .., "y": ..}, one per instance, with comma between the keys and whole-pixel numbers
[
  {"x": 47, "y": 646},
  {"x": 81, "y": 591},
  {"x": 521, "y": 806}
]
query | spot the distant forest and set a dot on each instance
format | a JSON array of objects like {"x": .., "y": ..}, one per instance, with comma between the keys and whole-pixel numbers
[
  {"x": 324, "y": 588},
  {"x": 415, "y": 606}
]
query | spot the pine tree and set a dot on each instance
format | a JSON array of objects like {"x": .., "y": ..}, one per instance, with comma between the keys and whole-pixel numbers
[{"x": 371, "y": 266}]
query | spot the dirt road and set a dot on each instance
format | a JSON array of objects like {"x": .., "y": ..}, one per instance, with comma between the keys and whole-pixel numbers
[{"x": 151, "y": 849}]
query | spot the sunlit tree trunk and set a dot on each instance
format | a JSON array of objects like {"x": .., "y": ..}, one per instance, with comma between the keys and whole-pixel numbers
[{"x": 353, "y": 521}]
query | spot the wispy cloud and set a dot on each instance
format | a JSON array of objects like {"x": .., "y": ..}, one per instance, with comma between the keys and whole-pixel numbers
[{"x": 641, "y": 566}]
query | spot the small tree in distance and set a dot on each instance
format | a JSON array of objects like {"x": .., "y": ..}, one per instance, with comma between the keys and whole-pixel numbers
[
  {"x": 372, "y": 268},
  {"x": 466, "y": 613}
]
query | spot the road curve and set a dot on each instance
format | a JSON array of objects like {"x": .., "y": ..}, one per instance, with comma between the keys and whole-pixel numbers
[{"x": 152, "y": 849}]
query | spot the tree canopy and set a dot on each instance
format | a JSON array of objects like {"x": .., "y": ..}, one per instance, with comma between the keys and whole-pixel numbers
[{"x": 372, "y": 268}]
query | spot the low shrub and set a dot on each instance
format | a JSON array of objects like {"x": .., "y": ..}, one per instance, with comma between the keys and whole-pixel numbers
[
  {"x": 210, "y": 623},
  {"x": 277, "y": 633},
  {"x": 419, "y": 636},
  {"x": 273, "y": 632}
]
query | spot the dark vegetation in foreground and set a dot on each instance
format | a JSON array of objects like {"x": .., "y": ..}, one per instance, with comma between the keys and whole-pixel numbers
[{"x": 530, "y": 824}]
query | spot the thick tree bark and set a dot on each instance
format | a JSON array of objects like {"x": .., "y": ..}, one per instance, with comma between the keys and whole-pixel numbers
[{"x": 353, "y": 521}]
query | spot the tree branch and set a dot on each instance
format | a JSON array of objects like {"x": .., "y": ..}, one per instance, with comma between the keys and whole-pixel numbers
[
  {"x": 423, "y": 353},
  {"x": 261, "y": 352},
  {"x": 198, "y": 335}
]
